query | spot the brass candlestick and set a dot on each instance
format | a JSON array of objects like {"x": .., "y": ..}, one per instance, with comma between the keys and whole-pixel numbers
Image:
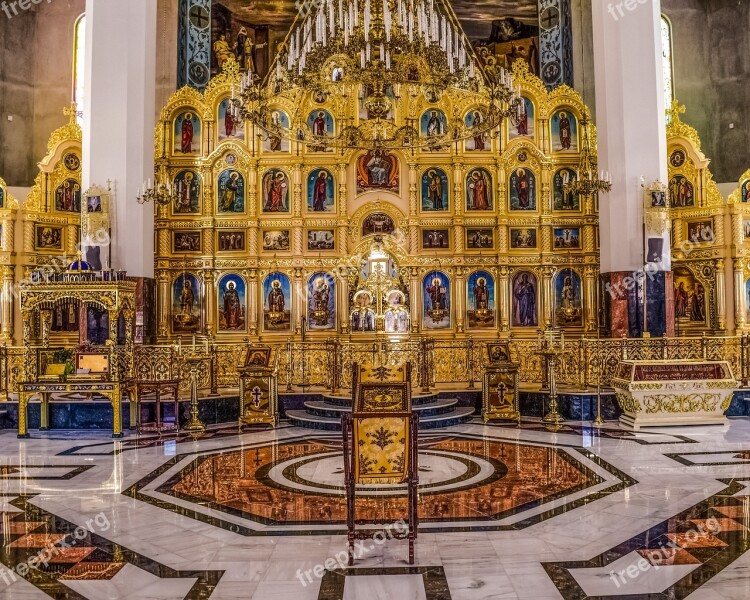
[
  {"x": 598, "y": 421},
  {"x": 195, "y": 423},
  {"x": 551, "y": 344}
]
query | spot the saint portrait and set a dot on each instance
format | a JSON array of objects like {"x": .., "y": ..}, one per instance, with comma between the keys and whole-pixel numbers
[
  {"x": 433, "y": 123},
  {"x": 48, "y": 237},
  {"x": 321, "y": 239},
  {"x": 524, "y": 300},
  {"x": 396, "y": 318},
  {"x": 186, "y": 304},
  {"x": 681, "y": 192},
  {"x": 228, "y": 126},
  {"x": 321, "y": 301},
  {"x": 231, "y": 241},
  {"x": 277, "y": 307},
  {"x": 475, "y": 121},
  {"x": 689, "y": 298},
  {"x": 277, "y": 134},
  {"x": 521, "y": 238},
  {"x": 232, "y": 303},
  {"x": 275, "y": 191},
  {"x": 436, "y": 239},
  {"x": 480, "y": 239},
  {"x": 562, "y": 199},
  {"x": 434, "y": 190},
  {"x": 480, "y": 300},
  {"x": 187, "y": 133},
  {"x": 522, "y": 123},
  {"x": 700, "y": 231},
  {"x": 567, "y": 237},
  {"x": 522, "y": 189},
  {"x": 362, "y": 317},
  {"x": 231, "y": 192},
  {"x": 377, "y": 170},
  {"x": 568, "y": 302},
  {"x": 320, "y": 124},
  {"x": 564, "y": 128},
  {"x": 187, "y": 190},
  {"x": 320, "y": 191},
  {"x": 276, "y": 239},
  {"x": 436, "y": 301},
  {"x": 478, "y": 190},
  {"x": 745, "y": 187},
  {"x": 68, "y": 196}
]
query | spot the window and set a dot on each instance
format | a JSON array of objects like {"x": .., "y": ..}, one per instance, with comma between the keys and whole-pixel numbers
[
  {"x": 667, "y": 67},
  {"x": 79, "y": 58}
]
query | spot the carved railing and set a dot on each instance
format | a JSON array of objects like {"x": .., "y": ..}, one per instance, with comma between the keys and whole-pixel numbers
[{"x": 327, "y": 364}]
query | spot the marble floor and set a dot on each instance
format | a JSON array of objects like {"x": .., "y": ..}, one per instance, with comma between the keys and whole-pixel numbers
[{"x": 505, "y": 513}]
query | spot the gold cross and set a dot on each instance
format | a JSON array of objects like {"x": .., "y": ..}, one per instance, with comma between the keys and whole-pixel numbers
[{"x": 674, "y": 112}]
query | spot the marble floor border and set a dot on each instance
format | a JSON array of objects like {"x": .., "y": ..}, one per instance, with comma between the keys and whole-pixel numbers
[
  {"x": 74, "y": 470},
  {"x": 434, "y": 579},
  {"x": 681, "y": 457}
]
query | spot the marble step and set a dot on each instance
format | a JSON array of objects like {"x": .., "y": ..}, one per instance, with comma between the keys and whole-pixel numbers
[
  {"x": 323, "y": 408},
  {"x": 345, "y": 400},
  {"x": 455, "y": 416}
]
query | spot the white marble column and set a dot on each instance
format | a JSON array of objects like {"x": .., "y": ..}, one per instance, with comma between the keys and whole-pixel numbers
[
  {"x": 632, "y": 142},
  {"x": 118, "y": 121}
]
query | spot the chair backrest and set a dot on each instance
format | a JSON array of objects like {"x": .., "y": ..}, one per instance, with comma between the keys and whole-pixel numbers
[{"x": 382, "y": 424}]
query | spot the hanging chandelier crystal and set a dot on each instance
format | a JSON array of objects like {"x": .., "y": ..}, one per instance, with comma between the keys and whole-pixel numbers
[
  {"x": 589, "y": 181},
  {"x": 382, "y": 50}
]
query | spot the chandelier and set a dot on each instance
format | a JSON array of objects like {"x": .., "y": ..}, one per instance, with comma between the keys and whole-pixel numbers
[
  {"x": 381, "y": 50},
  {"x": 589, "y": 181},
  {"x": 161, "y": 192}
]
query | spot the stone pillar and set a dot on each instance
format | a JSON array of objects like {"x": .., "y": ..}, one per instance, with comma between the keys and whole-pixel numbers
[
  {"x": 118, "y": 121},
  {"x": 632, "y": 142}
]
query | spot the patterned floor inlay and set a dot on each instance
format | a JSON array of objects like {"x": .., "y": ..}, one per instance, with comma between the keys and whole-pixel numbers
[
  {"x": 711, "y": 459},
  {"x": 63, "y": 560},
  {"x": 669, "y": 561},
  {"x": 42, "y": 472},
  {"x": 421, "y": 583},
  {"x": 296, "y": 486}
]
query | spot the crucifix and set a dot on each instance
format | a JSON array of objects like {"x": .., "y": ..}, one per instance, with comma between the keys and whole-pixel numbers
[{"x": 256, "y": 394}]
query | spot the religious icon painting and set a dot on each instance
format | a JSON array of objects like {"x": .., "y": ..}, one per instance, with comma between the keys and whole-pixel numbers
[
  {"x": 677, "y": 158},
  {"x": 377, "y": 223},
  {"x": 475, "y": 121},
  {"x": 276, "y": 137},
  {"x": 524, "y": 300},
  {"x": 745, "y": 187},
  {"x": 276, "y": 240},
  {"x": 480, "y": 300},
  {"x": 433, "y": 123},
  {"x": 396, "y": 318},
  {"x": 277, "y": 303},
  {"x": 701, "y": 231},
  {"x": 522, "y": 189},
  {"x": 565, "y": 199},
  {"x": 689, "y": 298},
  {"x": 564, "y": 131},
  {"x": 436, "y": 239},
  {"x": 321, "y": 302},
  {"x": 480, "y": 239},
  {"x": 320, "y": 123},
  {"x": 568, "y": 299},
  {"x": 231, "y": 192},
  {"x": 232, "y": 303},
  {"x": 68, "y": 196},
  {"x": 186, "y": 241},
  {"x": 48, "y": 237},
  {"x": 522, "y": 238},
  {"x": 97, "y": 325},
  {"x": 478, "y": 190},
  {"x": 745, "y": 230},
  {"x": 187, "y": 133},
  {"x": 231, "y": 241},
  {"x": 681, "y": 192},
  {"x": 186, "y": 304},
  {"x": 2, "y": 198},
  {"x": 71, "y": 161},
  {"x": 436, "y": 301},
  {"x": 228, "y": 126},
  {"x": 362, "y": 317},
  {"x": 320, "y": 191},
  {"x": 275, "y": 191},
  {"x": 321, "y": 239},
  {"x": 187, "y": 189},
  {"x": 377, "y": 170},
  {"x": 434, "y": 190},
  {"x": 567, "y": 238},
  {"x": 522, "y": 123}
]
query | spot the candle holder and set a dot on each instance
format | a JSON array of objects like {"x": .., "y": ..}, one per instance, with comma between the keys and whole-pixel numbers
[
  {"x": 551, "y": 344},
  {"x": 195, "y": 424}
]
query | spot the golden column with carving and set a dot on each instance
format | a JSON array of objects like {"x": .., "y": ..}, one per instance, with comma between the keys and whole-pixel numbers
[
  {"x": 342, "y": 237},
  {"x": 162, "y": 278},
  {"x": 458, "y": 208},
  {"x": 460, "y": 302},
  {"x": 209, "y": 289},
  {"x": 589, "y": 295},
  {"x": 721, "y": 300},
  {"x": 415, "y": 299},
  {"x": 252, "y": 300},
  {"x": 548, "y": 295},
  {"x": 505, "y": 302},
  {"x": 740, "y": 303},
  {"x": 7, "y": 304}
]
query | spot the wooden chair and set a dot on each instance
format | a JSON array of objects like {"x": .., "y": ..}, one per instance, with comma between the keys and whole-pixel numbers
[
  {"x": 166, "y": 388},
  {"x": 380, "y": 446}
]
